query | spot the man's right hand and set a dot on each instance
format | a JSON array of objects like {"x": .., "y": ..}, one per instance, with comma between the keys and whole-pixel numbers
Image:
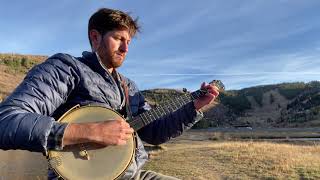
[{"x": 112, "y": 132}]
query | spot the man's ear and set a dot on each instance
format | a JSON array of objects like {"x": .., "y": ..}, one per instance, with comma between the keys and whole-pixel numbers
[{"x": 95, "y": 38}]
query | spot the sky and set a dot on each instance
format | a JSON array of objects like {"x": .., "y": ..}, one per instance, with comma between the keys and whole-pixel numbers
[{"x": 182, "y": 43}]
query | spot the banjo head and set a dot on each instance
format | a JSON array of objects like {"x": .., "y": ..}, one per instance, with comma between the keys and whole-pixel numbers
[{"x": 91, "y": 161}]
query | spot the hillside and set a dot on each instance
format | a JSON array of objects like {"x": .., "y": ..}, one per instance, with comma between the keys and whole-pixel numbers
[
  {"x": 13, "y": 68},
  {"x": 279, "y": 105}
]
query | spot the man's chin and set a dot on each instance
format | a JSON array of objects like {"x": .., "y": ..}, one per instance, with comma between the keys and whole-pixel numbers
[
  {"x": 117, "y": 61},
  {"x": 116, "y": 64}
]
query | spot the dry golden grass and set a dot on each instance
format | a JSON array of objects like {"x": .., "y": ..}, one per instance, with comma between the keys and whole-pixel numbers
[
  {"x": 8, "y": 81},
  {"x": 283, "y": 133},
  {"x": 22, "y": 165},
  {"x": 38, "y": 58},
  {"x": 237, "y": 160}
]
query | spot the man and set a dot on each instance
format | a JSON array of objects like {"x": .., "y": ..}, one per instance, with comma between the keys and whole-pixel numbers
[{"x": 28, "y": 116}]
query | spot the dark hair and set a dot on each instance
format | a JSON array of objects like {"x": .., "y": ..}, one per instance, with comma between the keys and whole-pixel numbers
[{"x": 105, "y": 20}]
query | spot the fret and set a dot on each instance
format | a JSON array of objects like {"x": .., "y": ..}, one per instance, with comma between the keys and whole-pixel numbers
[
  {"x": 134, "y": 125},
  {"x": 150, "y": 114},
  {"x": 142, "y": 118},
  {"x": 149, "y": 118},
  {"x": 170, "y": 108},
  {"x": 161, "y": 110},
  {"x": 175, "y": 105},
  {"x": 137, "y": 123},
  {"x": 185, "y": 99},
  {"x": 165, "y": 109},
  {"x": 154, "y": 114},
  {"x": 193, "y": 95},
  {"x": 146, "y": 117},
  {"x": 161, "y": 107},
  {"x": 158, "y": 112},
  {"x": 179, "y": 99},
  {"x": 197, "y": 94}
]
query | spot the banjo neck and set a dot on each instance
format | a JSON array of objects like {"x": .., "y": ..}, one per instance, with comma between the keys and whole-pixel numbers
[{"x": 170, "y": 106}]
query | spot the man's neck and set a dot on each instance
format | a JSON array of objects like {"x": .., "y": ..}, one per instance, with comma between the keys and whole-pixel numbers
[{"x": 109, "y": 69}]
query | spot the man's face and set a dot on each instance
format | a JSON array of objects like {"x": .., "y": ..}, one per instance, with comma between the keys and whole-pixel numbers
[{"x": 113, "y": 48}]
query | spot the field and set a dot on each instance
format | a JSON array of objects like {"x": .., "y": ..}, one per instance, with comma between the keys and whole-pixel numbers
[
  {"x": 196, "y": 156},
  {"x": 22, "y": 165},
  {"x": 199, "y": 154}
]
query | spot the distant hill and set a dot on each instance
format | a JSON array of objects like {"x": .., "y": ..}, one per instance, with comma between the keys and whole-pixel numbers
[
  {"x": 20, "y": 63},
  {"x": 13, "y": 68},
  {"x": 278, "y": 105}
]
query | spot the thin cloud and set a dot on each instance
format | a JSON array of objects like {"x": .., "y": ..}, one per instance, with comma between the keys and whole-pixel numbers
[{"x": 243, "y": 43}]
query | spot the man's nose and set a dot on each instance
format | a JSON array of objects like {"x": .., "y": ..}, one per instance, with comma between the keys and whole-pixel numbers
[{"x": 124, "y": 47}]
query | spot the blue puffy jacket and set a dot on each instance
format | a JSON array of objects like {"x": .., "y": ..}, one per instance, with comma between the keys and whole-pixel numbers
[{"x": 27, "y": 116}]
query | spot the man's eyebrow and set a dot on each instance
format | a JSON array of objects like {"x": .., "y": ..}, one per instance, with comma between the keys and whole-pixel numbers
[{"x": 118, "y": 34}]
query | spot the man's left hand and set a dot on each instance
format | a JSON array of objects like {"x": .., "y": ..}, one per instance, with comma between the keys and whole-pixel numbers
[{"x": 212, "y": 94}]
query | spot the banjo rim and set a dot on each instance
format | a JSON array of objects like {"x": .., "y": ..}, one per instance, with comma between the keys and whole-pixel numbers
[{"x": 50, "y": 153}]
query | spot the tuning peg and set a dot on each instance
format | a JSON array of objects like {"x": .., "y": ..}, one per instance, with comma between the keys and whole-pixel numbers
[{"x": 184, "y": 90}]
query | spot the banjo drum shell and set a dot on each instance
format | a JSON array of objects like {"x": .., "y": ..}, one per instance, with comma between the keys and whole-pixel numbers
[{"x": 104, "y": 163}]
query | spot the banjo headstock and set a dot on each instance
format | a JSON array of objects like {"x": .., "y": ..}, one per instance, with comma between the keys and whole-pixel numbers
[{"x": 218, "y": 84}]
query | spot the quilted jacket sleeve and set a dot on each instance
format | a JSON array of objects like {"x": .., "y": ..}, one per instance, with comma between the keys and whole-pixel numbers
[
  {"x": 25, "y": 121},
  {"x": 170, "y": 125}
]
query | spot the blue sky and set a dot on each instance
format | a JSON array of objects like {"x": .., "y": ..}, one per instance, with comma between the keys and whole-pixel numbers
[{"x": 183, "y": 42}]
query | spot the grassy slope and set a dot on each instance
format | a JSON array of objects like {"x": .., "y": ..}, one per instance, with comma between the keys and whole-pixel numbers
[
  {"x": 206, "y": 159},
  {"x": 13, "y": 68},
  {"x": 8, "y": 80}
]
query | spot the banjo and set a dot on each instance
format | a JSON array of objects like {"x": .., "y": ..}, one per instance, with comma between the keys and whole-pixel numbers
[{"x": 92, "y": 161}]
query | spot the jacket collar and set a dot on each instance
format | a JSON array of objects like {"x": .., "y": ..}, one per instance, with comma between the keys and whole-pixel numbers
[{"x": 91, "y": 60}]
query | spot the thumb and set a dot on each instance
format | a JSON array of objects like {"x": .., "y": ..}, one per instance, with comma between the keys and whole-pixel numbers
[{"x": 203, "y": 85}]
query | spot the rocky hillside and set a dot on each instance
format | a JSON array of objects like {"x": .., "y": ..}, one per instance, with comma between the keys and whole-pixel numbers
[{"x": 280, "y": 105}]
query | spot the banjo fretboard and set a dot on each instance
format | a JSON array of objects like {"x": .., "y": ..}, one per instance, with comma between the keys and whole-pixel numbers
[{"x": 168, "y": 107}]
